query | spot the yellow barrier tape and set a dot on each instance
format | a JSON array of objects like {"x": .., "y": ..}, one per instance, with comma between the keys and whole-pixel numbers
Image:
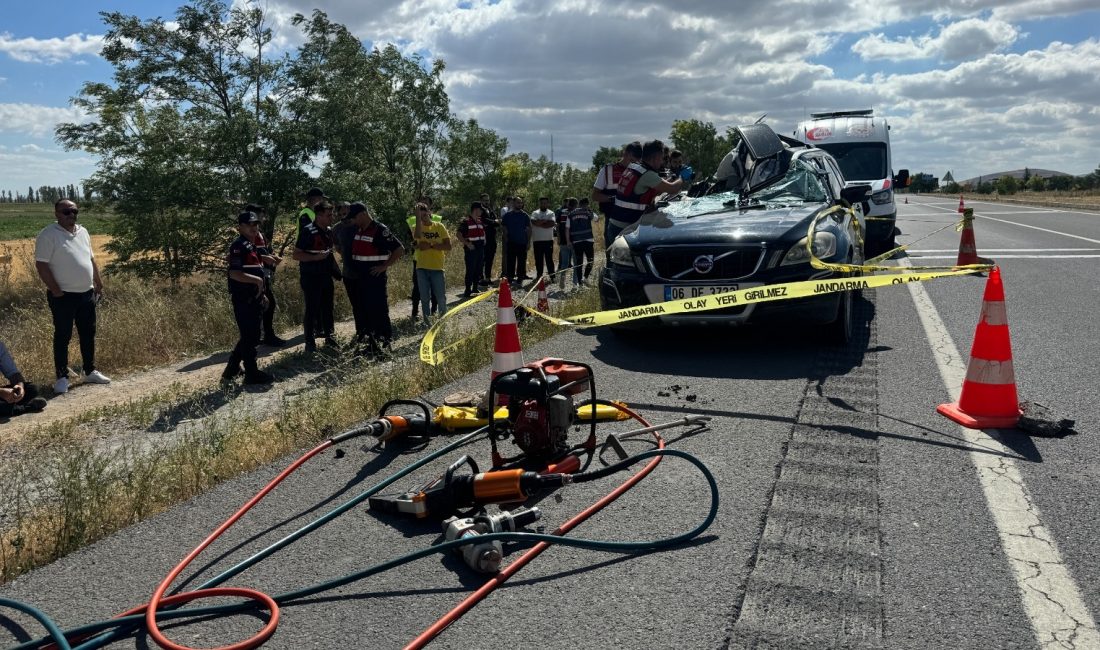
[
  {"x": 433, "y": 358},
  {"x": 768, "y": 293}
]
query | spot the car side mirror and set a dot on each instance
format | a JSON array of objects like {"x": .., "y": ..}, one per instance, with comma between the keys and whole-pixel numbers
[
  {"x": 902, "y": 179},
  {"x": 861, "y": 194}
]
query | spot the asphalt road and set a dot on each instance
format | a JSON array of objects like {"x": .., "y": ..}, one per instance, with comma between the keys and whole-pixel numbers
[{"x": 851, "y": 514}]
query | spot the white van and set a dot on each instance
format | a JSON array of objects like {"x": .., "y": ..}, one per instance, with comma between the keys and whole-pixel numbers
[{"x": 860, "y": 142}]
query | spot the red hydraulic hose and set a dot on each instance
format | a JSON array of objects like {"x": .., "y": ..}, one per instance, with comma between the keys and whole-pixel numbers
[
  {"x": 473, "y": 599},
  {"x": 266, "y": 601}
]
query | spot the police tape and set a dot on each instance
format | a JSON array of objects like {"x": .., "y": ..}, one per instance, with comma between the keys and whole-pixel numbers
[
  {"x": 696, "y": 305},
  {"x": 872, "y": 265}
]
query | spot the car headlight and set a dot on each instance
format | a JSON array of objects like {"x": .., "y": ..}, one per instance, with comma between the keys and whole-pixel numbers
[
  {"x": 882, "y": 196},
  {"x": 824, "y": 246},
  {"x": 619, "y": 253}
]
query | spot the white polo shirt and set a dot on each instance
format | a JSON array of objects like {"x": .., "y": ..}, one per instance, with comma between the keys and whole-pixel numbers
[
  {"x": 543, "y": 234},
  {"x": 69, "y": 255}
]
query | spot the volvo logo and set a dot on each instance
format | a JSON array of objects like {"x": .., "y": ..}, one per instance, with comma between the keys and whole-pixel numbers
[{"x": 703, "y": 264}]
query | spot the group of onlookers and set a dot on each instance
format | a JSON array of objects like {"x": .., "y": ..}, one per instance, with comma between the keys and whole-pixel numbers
[{"x": 623, "y": 192}]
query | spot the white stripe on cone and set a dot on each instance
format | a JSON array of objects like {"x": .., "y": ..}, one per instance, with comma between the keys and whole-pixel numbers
[
  {"x": 994, "y": 313},
  {"x": 506, "y": 316},
  {"x": 983, "y": 371},
  {"x": 507, "y": 361}
]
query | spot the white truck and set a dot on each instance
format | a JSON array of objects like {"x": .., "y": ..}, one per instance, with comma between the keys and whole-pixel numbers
[{"x": 860, "y": 142}]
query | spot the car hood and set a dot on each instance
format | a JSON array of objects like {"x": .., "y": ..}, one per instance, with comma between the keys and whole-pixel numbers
[{"x": 706, "y": 220}]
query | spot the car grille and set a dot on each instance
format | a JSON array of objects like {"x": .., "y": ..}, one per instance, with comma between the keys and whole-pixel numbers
[{"x": 729, "y": 263}]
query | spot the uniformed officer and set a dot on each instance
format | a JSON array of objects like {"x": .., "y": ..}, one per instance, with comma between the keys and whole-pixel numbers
[
  {"x": 308, "y": 214},
  {"x": 246, "y": 290},
  {"x": 374, "y": 250},
  {"x": 472, "y": 235},
  {"x": 270, "y": 261},
  {"x": 313, "y": 251}
]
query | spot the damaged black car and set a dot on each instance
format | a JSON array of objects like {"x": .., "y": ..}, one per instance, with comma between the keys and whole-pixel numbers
[{"x": 746, "y": 227}]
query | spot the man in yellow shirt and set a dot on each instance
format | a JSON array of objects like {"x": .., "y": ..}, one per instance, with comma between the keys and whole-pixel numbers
[
  {"x": 431, "y": 242},
  {"x": 426, "y": 200}
]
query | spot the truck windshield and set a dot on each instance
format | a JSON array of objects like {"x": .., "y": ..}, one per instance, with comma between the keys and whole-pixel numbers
[{"x": 860, "y": 161}]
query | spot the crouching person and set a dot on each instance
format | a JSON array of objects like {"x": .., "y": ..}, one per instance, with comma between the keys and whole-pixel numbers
[{"x": 16, "y": 395}]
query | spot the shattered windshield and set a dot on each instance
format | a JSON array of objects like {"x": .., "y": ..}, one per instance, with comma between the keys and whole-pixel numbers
[{"x": 800, "y": 184}]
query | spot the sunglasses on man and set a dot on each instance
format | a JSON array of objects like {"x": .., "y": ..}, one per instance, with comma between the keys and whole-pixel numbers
[{"x": 70, "y": 213}]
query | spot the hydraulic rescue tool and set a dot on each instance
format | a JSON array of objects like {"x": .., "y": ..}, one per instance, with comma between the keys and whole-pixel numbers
[
  {"x": 452, "y": 492},
  {"x": 486, "y": 556},
  {"x": 387, "y": 427},
  {"x": 541, "y": 410}
]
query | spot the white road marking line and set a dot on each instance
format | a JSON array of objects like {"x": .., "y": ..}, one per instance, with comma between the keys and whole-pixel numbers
[
  {"x": 1007, "y": 257},
  {"x": 1009, "y": 250},
  {"x": 1024, "y": 225},
  {"x": 1051, "y": 598}
]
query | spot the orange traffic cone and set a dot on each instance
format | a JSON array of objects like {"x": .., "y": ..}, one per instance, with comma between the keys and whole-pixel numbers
[
  {"x": 507, "y": 354},
  {"x": 962, "y": 206},
  {"x": 543, "y": 303},
  {"x": 968, "y": 247},
  {"x": 988, "y": 399}
]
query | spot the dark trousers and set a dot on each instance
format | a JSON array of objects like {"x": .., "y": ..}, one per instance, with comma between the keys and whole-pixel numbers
[
  {"x": 354, "y": 287},
  {"x": 30, "y": 391},
  {"x": 72, "y": 308},
  {"x": 248, "y": 313},
  {"x": 490, "y": 255},
  {"x": 582, "y": 250},
  {"x": 317, "y": 321},
  {"x": 544, "y": 256},
  {"x": 515, "y": 262},
  {"x": 416, "y": 296},
  {"x": 475, "y": 262},
  {"x": 376, "y": 308},
  {"x": 269, "y": 313}
]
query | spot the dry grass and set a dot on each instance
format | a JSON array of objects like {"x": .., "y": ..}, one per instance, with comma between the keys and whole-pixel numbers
[
  {"x": 1083, "y": 199},
  {"x": 64, "y": 491}
]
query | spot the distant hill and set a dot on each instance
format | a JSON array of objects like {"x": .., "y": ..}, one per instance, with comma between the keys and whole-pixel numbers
[{"x": 1016, "y": 173}]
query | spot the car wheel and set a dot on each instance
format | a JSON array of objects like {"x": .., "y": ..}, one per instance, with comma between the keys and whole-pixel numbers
[{"x": 839, "y": 332}]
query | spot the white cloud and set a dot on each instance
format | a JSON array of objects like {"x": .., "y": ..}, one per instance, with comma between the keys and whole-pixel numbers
[
  {"x": 32, "y": 169},
  {"x": 36, "y": 120},
  {"x": 30, "y": 148},
  {"x": 965, "y": 39},
  {"x": 50, "y": 50}
]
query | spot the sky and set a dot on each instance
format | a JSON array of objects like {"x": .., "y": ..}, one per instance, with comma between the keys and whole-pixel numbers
[{"x": 969, "y": 86}]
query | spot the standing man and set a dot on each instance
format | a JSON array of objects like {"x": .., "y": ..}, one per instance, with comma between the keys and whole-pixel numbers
[
  {"x": 64, "y": 260},
  {"x": 677, "y": 168},
  {"x": 411, "y": 220},
  {"x": 343, "y": 235},
  {"x": 639, "y": 188},
  {"x": 492, "y": 234},
  {"x": 509, "y": 205},
  {"x": 607, "y": 182},
  {"x": 471, "y": 234},
  {"x": 374, "y": 249},
  {"x": 270, "y": 261},
  {"x": 313, "y": 250},
  {"x": 579, "y": 234},
  {"x": 516, "y": 226},
  {"x": 433, "y": 242},
  {"x": 246, "y": 290},
  {"x": 16, "y": 395},
  {"x": 565, "y": 251},
  {"x": 307, "y": 214},
  {"x": 542, "y": 237}
]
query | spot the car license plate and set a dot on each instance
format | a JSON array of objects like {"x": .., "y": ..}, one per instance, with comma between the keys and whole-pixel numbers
[{"x": 681, "y": 291}]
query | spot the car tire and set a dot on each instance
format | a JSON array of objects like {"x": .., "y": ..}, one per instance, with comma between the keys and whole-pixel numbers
[{"x": 840, "y": 331}]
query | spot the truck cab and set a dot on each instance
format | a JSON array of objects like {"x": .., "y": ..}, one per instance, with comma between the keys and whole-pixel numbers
[{"x": 860, "y": 143}]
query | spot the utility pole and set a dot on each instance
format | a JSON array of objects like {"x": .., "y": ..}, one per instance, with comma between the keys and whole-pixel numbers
[{"x": 551, "y": 147}]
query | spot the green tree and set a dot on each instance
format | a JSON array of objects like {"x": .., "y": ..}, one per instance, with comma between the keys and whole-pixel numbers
[
  {"x": 1007, "y": 185},
  {"x": 194, "y": 123},
  {"x": 473, "y": 157},
  {"x": 1036, "y": 183},
  {"x": 701, "y": 145},
  {"x": 1060, "y": 182},
  {"x": 604, "y": 156}
]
